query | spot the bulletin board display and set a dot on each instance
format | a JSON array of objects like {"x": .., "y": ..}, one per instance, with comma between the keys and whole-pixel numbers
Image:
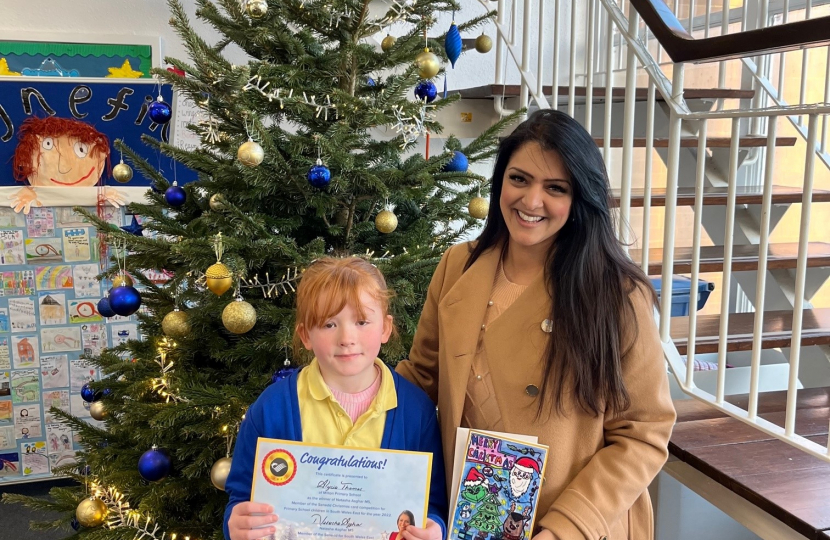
[{"x": 48, "y": 320}]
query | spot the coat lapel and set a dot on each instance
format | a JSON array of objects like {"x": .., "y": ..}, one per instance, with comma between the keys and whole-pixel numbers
[{"x": 463, "y": 309}]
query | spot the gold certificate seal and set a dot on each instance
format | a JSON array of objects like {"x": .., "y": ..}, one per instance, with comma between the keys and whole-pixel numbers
[{"x": 279, "y": 467}]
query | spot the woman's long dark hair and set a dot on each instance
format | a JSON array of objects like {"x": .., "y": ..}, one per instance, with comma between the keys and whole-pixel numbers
[{"x": 588, "y": 274}]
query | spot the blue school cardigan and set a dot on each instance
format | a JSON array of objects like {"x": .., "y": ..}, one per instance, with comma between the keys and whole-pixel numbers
[{"x": 412, "y": 425}]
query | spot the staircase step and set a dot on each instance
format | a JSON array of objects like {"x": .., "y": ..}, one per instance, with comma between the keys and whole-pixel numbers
[
  {"x": 716, "y": 196},
  {"x": 744, "y": 257},
  {"x": 750, "y": 141},
  {"x": 777, "y": 330},
  {"x": 490, "y": 91}
]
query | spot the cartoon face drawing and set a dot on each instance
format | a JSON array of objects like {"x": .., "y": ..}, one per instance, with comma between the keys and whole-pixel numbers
[
  {"x": 521, "y": 474},
  {"x": 513, "y": 527}
]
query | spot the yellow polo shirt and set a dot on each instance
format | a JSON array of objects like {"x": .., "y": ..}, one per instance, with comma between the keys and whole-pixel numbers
[{"x": 324, "y": 421}]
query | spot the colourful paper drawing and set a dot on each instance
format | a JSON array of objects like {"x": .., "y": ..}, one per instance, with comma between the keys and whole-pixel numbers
[
  {"x": 94, "y": 338},
  {"x": 83, "y": 311},
  {"x": 19, "y": 283},
  {"x": 27, "y": 421},
  {"x": 44, "y": 250},
  {"x": 34, "y": 459},
  {"x": 22, "y": 314},
  {"x": 7, "y": 441},
  {"x": 5, "y": 384},
  {"x": 25, "y": 352},
  {"x": 11, "y": 247},
  {"x": 54, "y": 371},
  {"x": 54, "y": 277},
  {"x": 64, "y": 338},
  {"x": 4, "y": 320},
  {"x": 52, "y": 308},
  {"x": 5, "y": 357},
  {"x": 25, "y": 385},
  {"x": 80, "y": 373},
  {"x": 9, "y": 219},
  {"x": 86, "y": 284},
  {"x": 54, "y": 398},
  {"x": 498, "y": 489},
  {"x": 9, "y": 464},
  {"x": 5, "y": 411},
  {"x": 40, "y": 222},
  {"x": 76, "y": 245}
]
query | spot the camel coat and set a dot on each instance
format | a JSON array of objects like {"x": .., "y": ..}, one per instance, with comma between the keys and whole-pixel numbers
[{"x": 599, "y": 467}]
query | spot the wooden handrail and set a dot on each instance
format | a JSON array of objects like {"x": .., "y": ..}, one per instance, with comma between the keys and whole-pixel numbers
[{"x": 682, "y": 47}]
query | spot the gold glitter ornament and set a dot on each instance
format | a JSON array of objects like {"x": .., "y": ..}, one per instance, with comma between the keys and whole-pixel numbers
[
  {"x": 250, "y": 153},
  {"x": 479, "y": 207},
  {"x": 218, "y": 278},
  {"x": 257, "y": 8},
  {"x": 386, "y": 221},
  {"x": 217, "y": 202},
  {"x": 91, "y": 512},
  {"x": 176, "y": 324},
  {"x": 122, "y": 173},
  {"x": 219, "y": 473},
  {"x": 98, "y": 411},
  {"x": 428, "y": 64},
  {"x": 239, "y": 316},
  {"x": 122, "y": 280},
  {"x": 484, "y": 43},
  {"x": 388, "y": 42}
]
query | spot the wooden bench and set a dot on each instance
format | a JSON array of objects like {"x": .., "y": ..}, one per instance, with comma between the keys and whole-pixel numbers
[{"x": 783, "y": 481}]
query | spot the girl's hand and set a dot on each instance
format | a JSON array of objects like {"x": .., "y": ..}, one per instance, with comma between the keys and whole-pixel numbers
[
  {"x": 243, "y": 525},
  {"x": 431, "y": 532}
]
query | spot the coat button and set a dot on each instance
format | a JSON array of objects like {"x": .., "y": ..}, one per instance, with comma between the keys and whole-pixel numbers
[
  {"x": 490, "y": 303},
  {"x": 547, "y": 326},
  {"x": 532, "y": 390}
]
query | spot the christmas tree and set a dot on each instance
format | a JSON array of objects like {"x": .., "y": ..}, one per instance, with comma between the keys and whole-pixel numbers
[
  {"x": 290, "y": 169},
  {"x": 487, "y": 516}
]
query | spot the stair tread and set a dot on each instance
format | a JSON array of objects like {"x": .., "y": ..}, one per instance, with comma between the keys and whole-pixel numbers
[
  {"x": 617, "y": 92},
  {"x": 777, "y": 330},
  {"x": 716, "y": 196},
  {"x": 744, "y": 257},
  {"x": 749, "y": 141}
]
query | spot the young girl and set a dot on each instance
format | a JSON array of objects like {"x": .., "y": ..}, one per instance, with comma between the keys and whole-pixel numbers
[{"x": 345, "y": 396}]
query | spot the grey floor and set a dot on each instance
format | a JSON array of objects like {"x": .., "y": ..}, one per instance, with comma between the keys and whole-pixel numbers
[{"x": 15, "y": 518}]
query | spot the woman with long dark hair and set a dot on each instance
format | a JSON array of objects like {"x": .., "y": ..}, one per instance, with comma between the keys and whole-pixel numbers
[{"x": 543, "y": 326}]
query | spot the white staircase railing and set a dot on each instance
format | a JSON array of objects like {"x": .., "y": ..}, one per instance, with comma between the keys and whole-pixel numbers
[{"x": 598, "y": 32}]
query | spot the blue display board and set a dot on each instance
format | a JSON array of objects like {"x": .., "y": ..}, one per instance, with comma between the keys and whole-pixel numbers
[{"x": 116, "y": 108}]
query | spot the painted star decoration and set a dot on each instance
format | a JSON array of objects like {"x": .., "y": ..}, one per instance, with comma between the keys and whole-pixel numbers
[
  {"x": 126, "y": 71},
  {"x": 134, "y": 228}
]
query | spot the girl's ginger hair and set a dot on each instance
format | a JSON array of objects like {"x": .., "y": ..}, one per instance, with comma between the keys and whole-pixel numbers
[
  {"x": 330, "y": 284},
  {"x": 23, "y": 164}
]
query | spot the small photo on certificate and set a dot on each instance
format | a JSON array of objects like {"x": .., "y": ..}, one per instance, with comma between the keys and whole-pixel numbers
[{"x": 323, "y": 492}]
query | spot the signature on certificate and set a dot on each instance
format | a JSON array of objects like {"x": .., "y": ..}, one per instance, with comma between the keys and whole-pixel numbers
[
  {"x": 327, "y": 486},
  {"x": 318, "y": 519}
]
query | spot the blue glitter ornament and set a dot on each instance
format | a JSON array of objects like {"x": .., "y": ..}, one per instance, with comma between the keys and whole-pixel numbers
[
  {"x": 159, "y": 111},
  {"x": 154, "y": 465},
  {"x": 134, "y": 228},
  {"x": 175, "y": 196},
  {"x": 452, "y": 44},
  {"x": 425, "y": 90},
  {"x": 75, "y": 524},
  {"x": 319, "y": 175},
  {"x": 458, "y": 163},
  {"x": 88, "y": 394},
  {"x": 104, "y": 308},
  {"x": 125, "y": 300}
]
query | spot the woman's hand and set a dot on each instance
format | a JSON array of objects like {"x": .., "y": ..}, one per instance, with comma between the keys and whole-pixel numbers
[
  {"x": 431, "y": 532},
  {"x": 544, "y": 534},
  {"x": 243, "y": 525}
]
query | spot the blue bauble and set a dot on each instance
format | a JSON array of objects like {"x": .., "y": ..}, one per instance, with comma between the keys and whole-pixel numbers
[
  {"x": 425, "y": 90},
  {"x": 452, "y": 44},
  {"x": 75, "y": 524},
  {"x": 154, "y": 464},
  {"x": 319, "y": 176},
  {"x": 104, "y": 308},
  {"x": 175, "y": 196},
  {"x": 458, "y": 163},
  {"x": 370, "y": 81},
  {"x": 88, "y": 394},
  {"x": 159, "y": 112},
  {"x": 125, "y": 300}
]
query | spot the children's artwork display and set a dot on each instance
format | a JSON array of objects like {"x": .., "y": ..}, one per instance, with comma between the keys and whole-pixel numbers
[
  {"x": 497, "y": 488},
  {"x": 48, "y": 319}
]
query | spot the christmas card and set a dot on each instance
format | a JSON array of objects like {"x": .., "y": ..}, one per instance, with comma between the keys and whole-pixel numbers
[{"x": 496, "y": 487}]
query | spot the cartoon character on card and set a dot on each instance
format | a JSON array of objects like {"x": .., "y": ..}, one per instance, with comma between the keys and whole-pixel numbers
[
  {"x": 524, "y": 470},
  {"x": 59, "y": 152},
  {"x": 475, "y": 486},
  {"x": 514, "y": 524}
]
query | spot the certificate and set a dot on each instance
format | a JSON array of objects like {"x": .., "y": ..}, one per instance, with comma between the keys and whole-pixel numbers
[{"x": 335, "y": 492}]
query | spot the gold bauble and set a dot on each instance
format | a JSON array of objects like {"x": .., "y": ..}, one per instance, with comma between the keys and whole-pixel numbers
[
  {"x": 218, "y": 278},
  {"x": 257, "y": 8},
  {"x": 250, "y": 154},
  {"x": 122, "y": 280},
  {"x": 484, "y": 43},
  {"x": 479, "y": 207},
  {"x": 97, "y": 410},
  {"x": 388, "y": 42},
  {"x": 91, "y": 512},
  {"x": 386, "y": 221},
  {"x": 239, "y": 316},
  {"x": 176, "y": 324},
  {"x": 428, "y": 64},
  {"x": 122, "y": 173},
  {"x": 217, "y": 202},
  {"x": 219, "y": 473}
]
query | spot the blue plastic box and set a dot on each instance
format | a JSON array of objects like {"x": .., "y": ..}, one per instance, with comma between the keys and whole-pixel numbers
[{"x": 681, "y": 291}]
